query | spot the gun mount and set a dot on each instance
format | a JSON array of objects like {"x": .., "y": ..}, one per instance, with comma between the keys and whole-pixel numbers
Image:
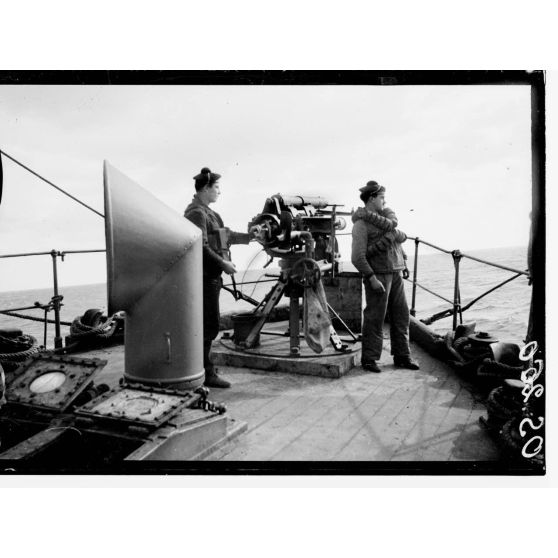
[{"x": 300, "y": 230}]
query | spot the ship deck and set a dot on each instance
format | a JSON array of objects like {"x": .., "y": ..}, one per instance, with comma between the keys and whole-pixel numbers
[{"x": 398, "y": 415}]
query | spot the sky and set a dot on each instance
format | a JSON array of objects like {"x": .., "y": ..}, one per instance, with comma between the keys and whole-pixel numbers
[{"x": 455, "y": 160}]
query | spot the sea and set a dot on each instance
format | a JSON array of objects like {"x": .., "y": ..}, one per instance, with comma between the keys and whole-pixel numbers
[{"x": 503, "y": 313}]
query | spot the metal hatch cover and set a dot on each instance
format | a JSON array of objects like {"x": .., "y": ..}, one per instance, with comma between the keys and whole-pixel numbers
[
  {"x": 137, "y": 405},
  {"x": 52, "y": 382}
]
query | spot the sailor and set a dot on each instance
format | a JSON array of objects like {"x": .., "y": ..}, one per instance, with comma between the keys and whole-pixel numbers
[
  {"x": 215, "y": 262},
  {"x": 378, "y": 255}
]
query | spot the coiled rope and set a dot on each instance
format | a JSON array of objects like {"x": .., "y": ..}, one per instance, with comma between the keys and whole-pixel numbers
[
  {"x": 18, "y": 350},
  {"x": 104, "y": 330}
]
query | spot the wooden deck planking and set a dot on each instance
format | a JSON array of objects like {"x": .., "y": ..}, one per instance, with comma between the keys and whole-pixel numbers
[
  {"x": 429, "y": 414},
  {"x": 473, "y": 440},
  {"x": 323, "y": 439},
  {"x": 427, "y": 420},
  {"x": 319, "y": 396},
  {"x": 256, "y": 408},
  {"x": 442, "y": 441},
  {"x": 440, "y": 429},
  {"x": 261, "y": 443},
  {"x": 382, "y": 433},
  {"x": 319, "y": 441},
  {"x": 312, "y": 415},
  {"x": 397, "y": 414},
  {"x": 461, "y": 422},
  {"x": 371, "y": 432}
]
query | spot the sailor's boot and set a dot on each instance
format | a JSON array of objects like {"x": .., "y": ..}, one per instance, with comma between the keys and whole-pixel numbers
[
  {"x": 406, "y": 362},
  {"x": 212, "y": 379},
  {"x": 371, "y": 366}
]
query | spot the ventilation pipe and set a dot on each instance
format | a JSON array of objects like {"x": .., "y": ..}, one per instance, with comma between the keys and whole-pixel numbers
[{"x": 154, "y": 268}]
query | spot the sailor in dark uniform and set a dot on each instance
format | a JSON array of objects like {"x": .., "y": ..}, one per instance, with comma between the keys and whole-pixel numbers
[
  {"x": 378, "y": 255},
  {"x": 215, "y": 262}
]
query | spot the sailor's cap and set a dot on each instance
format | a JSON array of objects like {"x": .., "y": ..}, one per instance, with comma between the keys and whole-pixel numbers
[
  {"x": 372, "y": 187},
  {"x": 207, "y": 177}
]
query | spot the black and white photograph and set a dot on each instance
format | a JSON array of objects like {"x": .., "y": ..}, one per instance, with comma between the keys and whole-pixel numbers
[{"x": 272, "y": 272}]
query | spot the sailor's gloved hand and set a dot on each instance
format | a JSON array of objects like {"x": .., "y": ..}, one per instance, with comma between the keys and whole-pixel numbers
[
  {"x": 229, "y": 268},
  {"x": 377, "y": 287},
  {"x": 406, "y": 273}
]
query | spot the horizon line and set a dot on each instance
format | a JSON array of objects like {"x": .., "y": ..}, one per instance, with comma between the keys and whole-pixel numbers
[{"x": 431, "y": 251}]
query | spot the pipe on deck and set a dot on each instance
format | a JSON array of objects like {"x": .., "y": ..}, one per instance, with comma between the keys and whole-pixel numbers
[{"x": 154, "y": 267}]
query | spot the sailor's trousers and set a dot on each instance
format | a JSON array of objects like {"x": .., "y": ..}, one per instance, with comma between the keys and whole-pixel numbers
[
  {"x": 393, "y": 303},
  {"x": 211, "y": 291}
]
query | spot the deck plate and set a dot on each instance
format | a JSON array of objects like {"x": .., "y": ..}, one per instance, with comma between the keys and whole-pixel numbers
[
  {"x": 52, "y": 382},
  {"x": 137, "y": 405}
]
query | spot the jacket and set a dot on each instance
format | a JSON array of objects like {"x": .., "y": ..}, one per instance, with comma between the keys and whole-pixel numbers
[
  {"x": 377, "y": 243},
  {"x": 209, "y": 221}
]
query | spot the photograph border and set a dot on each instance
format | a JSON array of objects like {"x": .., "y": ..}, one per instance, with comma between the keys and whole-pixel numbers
[{"x": 396, "y": 78}]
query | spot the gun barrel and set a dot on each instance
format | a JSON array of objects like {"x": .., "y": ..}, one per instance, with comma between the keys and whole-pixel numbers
[{"x": 300, "y": 201}]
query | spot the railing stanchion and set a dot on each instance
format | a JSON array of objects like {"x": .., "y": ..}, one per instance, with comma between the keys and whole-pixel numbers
[
  {"x": 456, "y": 254},
  {"x": 45, "y": 328},
  {"x": 332, "y": 240},
  {"x": 415, "y": 266},
  {"x": 56, "y": 302}
]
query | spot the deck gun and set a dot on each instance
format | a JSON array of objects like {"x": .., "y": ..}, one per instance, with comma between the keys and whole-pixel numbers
[
  {"x": 291, "y": 226},
  {"x": 300, "y": 230}
]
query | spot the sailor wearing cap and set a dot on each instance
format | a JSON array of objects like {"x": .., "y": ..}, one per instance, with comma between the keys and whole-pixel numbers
[
  {"x": 371, "y": 188},
  {"x": 214, "y": 263},
  {"x": 378, "y": 255}
]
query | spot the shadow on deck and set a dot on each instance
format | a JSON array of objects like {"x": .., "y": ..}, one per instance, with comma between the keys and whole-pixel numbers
[{"x": 397, "y": 415}]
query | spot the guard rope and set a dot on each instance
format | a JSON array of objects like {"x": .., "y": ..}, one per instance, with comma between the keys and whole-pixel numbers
[
  {"x": 51, "y": 184},
  {"x": 33, "y": 318}
]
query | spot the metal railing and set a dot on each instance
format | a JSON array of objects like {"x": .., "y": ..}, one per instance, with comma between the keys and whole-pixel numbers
[
  {"x": 456, "y": 309},
  {"x": 55, "y": 303},
  {"x": 56, "y": 300}
]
